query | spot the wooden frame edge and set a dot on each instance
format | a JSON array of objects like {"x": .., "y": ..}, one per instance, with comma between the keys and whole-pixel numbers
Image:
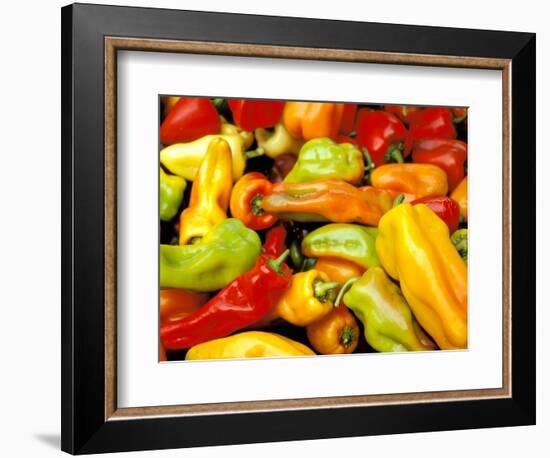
[{"x": 111, "y": 46}]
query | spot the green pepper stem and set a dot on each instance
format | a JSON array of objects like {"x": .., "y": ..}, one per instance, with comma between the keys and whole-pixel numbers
[
  {"x": 254, "y": 153},
  {"x": 256, "y": 205},
  {"x": 459, "y": 119},
  {"x": 344, "y": 289},
  {"x": 398, "y": 200},
  {"x": 368, "y": 159},
  {"x": 394, "y": 154},
  {"x": 322, "y": 288},
  {"x": 275, "y": 264},
  {"x": 347, "y": 337}
]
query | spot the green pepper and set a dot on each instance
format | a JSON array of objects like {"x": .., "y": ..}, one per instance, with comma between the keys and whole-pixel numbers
[
  {"x": 228, "y": 250},
  {"x": 352, "y": 242},
  {"x": 322, "y": 158},
  {"x": 387, "y": 318},
  {"x": 171, "y": 195},
  {"x": 460, "y": 241}
]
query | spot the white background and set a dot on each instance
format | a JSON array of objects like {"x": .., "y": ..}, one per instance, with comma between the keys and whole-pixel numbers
[
  {"x": 142, "y": 381},
  {"x": 30, "y": 230}
]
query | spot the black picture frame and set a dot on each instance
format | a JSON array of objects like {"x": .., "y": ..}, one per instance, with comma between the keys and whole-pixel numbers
[{"x": 84, "y": 426}]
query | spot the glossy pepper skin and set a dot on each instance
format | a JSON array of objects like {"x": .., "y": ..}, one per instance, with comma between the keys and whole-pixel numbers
[
  {"x": 210, "y": 193},
  {"x": 382, "y": 134},
  {"x": 190, "y": 118},
  {"x": 250, "y": 344},
  {"x": 387, "y": 318},
  {"x": 460, "y": 195},
  {"x": 227, "y": 251},
  {"x": 275, "y": 241},
  {"x": 277, "y": 142},
  {"x": 433, "y": 122},
  {"x": 336, "y": 333},
  {"x": 241, "y": 303},
  {"x": 444, "y": 207},
  {"x": 322, "y": 158},
  {"x": 448, "y": 154},
  {"x": 351, "y": 242},
  {"x": 418, "y": 179},
  {"x": 184, "y": 159},
  {"x": 170, "y": 195},
  {"x": 254, "y": 114},
  {"x": 460, "y": 241},
  {"x": 404, "y": 112},
  {"x": 309, "y": 297},
  {"x": 246, "y": 201},
  {"x": 178, "y": 303},
  {"x": 338, "y": 269},
  {"x": 326, "y": 200},
  {"x": 310, "y": 120},
  {"x": 231, "y": 129},
  {"x": 432, "y": 275}
]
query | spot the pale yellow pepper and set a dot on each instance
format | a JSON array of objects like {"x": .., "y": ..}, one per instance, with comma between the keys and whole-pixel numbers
[{"x": 277, "y": 142}]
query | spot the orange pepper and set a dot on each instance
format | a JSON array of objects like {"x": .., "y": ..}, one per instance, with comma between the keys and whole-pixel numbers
[
  {"x": 339, "y": 270},
  {"x": 309, "y": 120},
  {"x": 178, "y": 303},
  {"x": 335, "y": 334},
  {"x": 418, "y": 179},
  {"x": 460, "y": 195},
  {"x": 162, "y": 352}
]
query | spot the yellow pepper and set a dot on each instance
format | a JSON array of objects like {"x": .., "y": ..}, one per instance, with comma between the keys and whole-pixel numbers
[
  {"x": 232, "y": 129},
  {"x": 414, "y": 247},
  {"x": 278, "y": 142},
  {"x": 209, "y": 195},
  {"x": 184, "y": 159},
  {"x": 460, "y": 195},
  {"x": 250, "y": 344},
  {"x": 309, "y": 297}
]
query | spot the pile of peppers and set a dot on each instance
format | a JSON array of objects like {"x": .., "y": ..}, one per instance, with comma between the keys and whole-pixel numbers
[{"x": 301, "y": 228}]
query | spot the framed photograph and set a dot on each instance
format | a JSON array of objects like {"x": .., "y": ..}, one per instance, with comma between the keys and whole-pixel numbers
[{"x": 284, "y": 228}]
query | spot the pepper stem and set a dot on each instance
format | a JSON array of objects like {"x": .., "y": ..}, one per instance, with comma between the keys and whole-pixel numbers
[
  {"x": 275, "y": 264},
  {"x": 398, "y": 200},
  {"x": 347, "y": 337},
  {"x": 459, "y": 119},
  {"x": 322, "y": 289},
  {"x": 344, "y": 289},
  {"x": 368, "y": 159},
  {"x": 256, "y": 205},
  {"x": 394, "y": 154},
  {"x": 254, "y": 153}
]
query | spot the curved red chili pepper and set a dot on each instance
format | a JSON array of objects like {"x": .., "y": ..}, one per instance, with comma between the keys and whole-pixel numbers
[
  {"x": 275, "y": 241},
  {"x": 241, "y": 303},
  {"x": 444, "y": 207},
  {"x": 433, "y": 122},
  {"x": 189, "y": 119},
  {"x": 254, "y": 114}
]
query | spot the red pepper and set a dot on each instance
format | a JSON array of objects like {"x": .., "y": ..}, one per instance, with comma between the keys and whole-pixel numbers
[
  {"x": 348, "y": 118},
  {"x": 189, "y": 119},
  {"x": 241, "y": 303},
  {"x": 444, "y": 207},
  {"x": 382, "y": 134},
  {"x": 346, "y": 139},
  {"x": 275, "y": 239},
  {"x": 430, "y": 123},
  {"x": 254, "y": 114},
  {"x": 404, "y": 112},
  {"x": 447, "y": 154},
  {"x": 459, "y": 114},
  {"x": 246, "y": 201}
]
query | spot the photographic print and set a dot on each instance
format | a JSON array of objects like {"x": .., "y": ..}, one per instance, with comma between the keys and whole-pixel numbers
[{"x": 295, "y": 228}]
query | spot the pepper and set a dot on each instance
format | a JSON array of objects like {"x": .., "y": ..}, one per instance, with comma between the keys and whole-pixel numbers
[
  {"x": 459, "y": 114},
  {"x": 250, "y": 344},
  {"x": 326, "y": 200},
  {"x": 275, "y": 241},
  {"x": 178, "y": 303},
  {"x": 460, "y": 195},
  {"x": 448, "y": 154},
  {"x": 336, "y": 333},
  {"x": 190, "y": 118},
  {"x": 162, "y": 353},
  {"x": 184, "y": 159},
  {"x": 382, "y": 134},
  {"x": 168, "y": 103},
  {"x": 171, "y": 188},
  {"x": 227, "y": 251},
  {"x": 460, "y": 241},
  {"x": 322, "y": 158},
  {"x": 309, "y": 297},
  {"x": 282, "y": 165},
  {"x": 387, "y": 318},
  {"x": 242, "y": 302},
  {"x": 418, "y": 179},
  {"x": 253, "y": 114},
  {"x": 444, "y": 207},
  {"x": 338, "y": 269},
  {"x": 414, "y": 247},
  {"x": 404, "y": 112},
  {"x": 433, "y": 122},
  {"x": 274, "y": 143},
  {"x": 310, "y": 120},
  {"x": 246, "y": 201},
  {"x": 209, "y": 195},
  {"x": 350, "y": 242},
  {"x": 231, "y": 129}
]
